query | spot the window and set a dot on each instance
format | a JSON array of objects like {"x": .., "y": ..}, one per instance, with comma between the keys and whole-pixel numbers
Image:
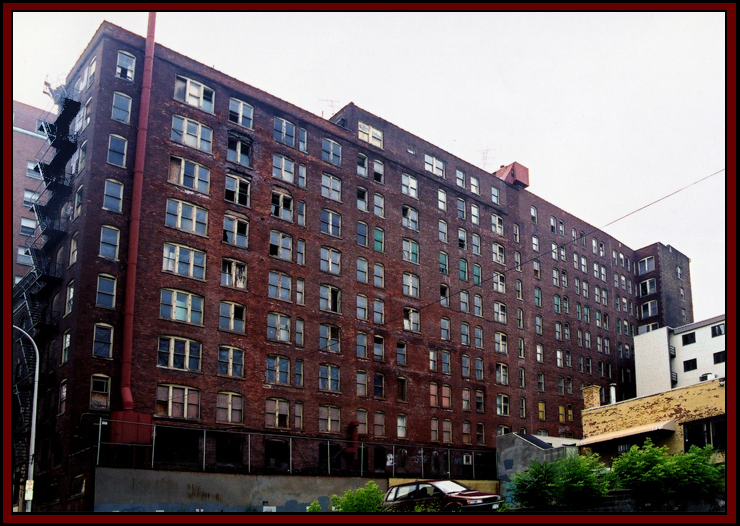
[
  {"x": 331, "y": 152},
  {"x": 229, "y": 407},
  {"x": 446, "y": 396},
  {"x": 239, "y": 149},
  {"x": 501, "y": 343},
  {"x": 330, "y": 298},
  {"x": 329, "y": 377},
  {"x": 378, "y": 275},
  {"x": 278, "y": 327},
  {"x": 330, "y": 337},
  {"x": 179, "y": 353},
  {"x": 464, "y": 334},
  {"x": 378, "y": 172},
  {"x": 410, "y": 285},
  {"x": 24, "y": 256},
  {"x": 502, "y": 374},
  {"x": 495, "y": 196},
  {"x": 276, "y": 412},
  {"x": 689, "y": 365},
  {"x": 442, "y": 200},
  {"x": 434, "y": 165},
  {"x": 109, "y": 238},
  {"x": 102, "y": 342},
  {"x": 378, "y": 311},
  {"x": 649, "y": 309},
  {"x": 378, "y": 385},
  {"x": 370, "y": 134},
  {"x": 62, "y": 397},
  {"x": 461, "y": 209},
  {"x": 331, "y": 187},
  {"x": 718, "y": 330},
  {"x": 106, "y": 291},
  {"x": 497, "y": 225},
  {"x": 187, "y": 217},
  {"x": 538, "y": 297},
  {"x": 502, "y": 405},
  {"x": 232, "y": 316},
  {"x": 237, "y": 190},
  {"x": 194, "y": 93},
  {"x": 499, "y": 312},
  {"x": 410, "y": 251},
  {"x": 233, "y": 273},
  {"x": 401, "y": 426},
  {"x": 720, "y": 357},
  {"x": 378, "y": 239},
  {"x": 535, "y": 243},
  {"x": 445, "y": 328},
  {"x": 125, "y": 66},
  {"x": 177, "y": 401},
  {"x": 498, "y": 254},
  {"x": 409, "y": 186},
  {"x": 331, "y": 222},
  {"x": 99, "y": 391},
  {"x": 284, "y": 131},
  {"x": 442, "y": 229},
  {"x": 478, "y": 336},
  {"x": 688, "y": 339},
  {"x": 240, "y": 113},
  {"x": 121, "y": 108},
  {"x": 191, "y": 133},
  {"x": 464, "y": 301},
  {"x": 361, "y": 383},
  {"x": 646, "y": 265},
  {"x": 379, "y": 205},
  {"x": 181, "y": 306},
  {"x": 283, "y": 168},
  {"x": 184, "y": 260},
  {"x": 331, "y": 260},
  {"x": 540, "y": 353},
  {"x": 117, "y": 150},
  {"x": 409, "y": 218}
]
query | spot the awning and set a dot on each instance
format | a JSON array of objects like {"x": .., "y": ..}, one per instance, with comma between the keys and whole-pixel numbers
[{"x": 668, "y": 425}]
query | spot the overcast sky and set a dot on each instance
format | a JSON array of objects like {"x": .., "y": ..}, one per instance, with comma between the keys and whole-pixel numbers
[{"x": 609, "y": 111}]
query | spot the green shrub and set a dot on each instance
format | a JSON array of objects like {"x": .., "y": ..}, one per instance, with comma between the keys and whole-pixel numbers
[
  {"x": 314, "y": 506},
  {"x": 368, "y": 498}
]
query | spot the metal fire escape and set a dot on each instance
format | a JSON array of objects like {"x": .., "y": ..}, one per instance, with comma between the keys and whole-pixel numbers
[
  {"x": 55, "y": 189},
  {"x": 32, "y": 293}
]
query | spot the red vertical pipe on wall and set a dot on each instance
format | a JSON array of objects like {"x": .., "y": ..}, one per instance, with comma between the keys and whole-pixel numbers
[{"x": 133, "y": 246}]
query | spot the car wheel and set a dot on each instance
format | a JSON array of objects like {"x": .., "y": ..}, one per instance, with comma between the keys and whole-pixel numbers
[{"x": 454, "y": 507}]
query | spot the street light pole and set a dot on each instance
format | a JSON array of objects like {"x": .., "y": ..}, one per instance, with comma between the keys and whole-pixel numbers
[{"x": 32, "y": 444}]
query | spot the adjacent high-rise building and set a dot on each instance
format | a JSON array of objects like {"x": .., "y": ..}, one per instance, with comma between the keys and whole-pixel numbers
[{"x": 221, "y": 280}]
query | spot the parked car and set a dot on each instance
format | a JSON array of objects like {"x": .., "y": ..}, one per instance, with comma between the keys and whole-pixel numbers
[{"x": 444, "y": 495}]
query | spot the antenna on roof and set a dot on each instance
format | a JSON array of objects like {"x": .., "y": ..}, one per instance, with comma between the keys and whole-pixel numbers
[
  {"x": 332, "y": 104},
  {"x": 484, "y": 157}
]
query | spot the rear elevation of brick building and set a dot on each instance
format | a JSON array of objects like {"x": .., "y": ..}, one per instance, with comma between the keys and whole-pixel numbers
[{"x": 226, "y": 282}]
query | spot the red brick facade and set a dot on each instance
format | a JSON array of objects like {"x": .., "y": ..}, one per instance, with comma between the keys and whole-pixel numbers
[{"x": 412, "y": 281}]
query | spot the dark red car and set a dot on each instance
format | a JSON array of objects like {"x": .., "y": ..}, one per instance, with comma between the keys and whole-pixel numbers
[{"x": 443, "y": 495}]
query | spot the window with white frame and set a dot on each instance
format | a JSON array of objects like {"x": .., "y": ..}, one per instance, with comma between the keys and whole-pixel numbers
[
  {"x": 378, "y": 311},
  {"x": 410, "y": 186},
  {"x": 499, "y": 254},
  {"x": 179, "y": 305},
  {"x": 409, "y": 218},
  {"x": 283, "y": 168},
  {"x": 331, "y": 187},
  {"x": 117, "y": 147},
  {"x": 281, "y": 245},
  {"x": 237, "y": 189},
  {"x": 330, "y": 298},
  {"x": 330, "y": 338},
  {"x": 411, "y": 319},
  {"x": 232, "y": 316},
  {"x": 284, "y": 131},
  {"x": 281, "y": 205},
  {"x": 109, "y": 242},
  {"x": 410, "y": 250},
  {"x": 99, "y": 391},
  {"x": 235, "y": 231},
  {"x": 378, "y": 172},
  {"x": 370, "y": 134},
  {"x": 102, "y": 341},
  {"x": 179, "y": 353},
  {"x": 229, "y": 407},
  {"x": 184, "y": 261},
  {"x": 277, "y": 370},
  {"x": 113, "y": 195},
  {"x": 177, "y": 401},
  {"x": 194, "y": 93},
  {"x": 106, "y": 292},
  {"x": 277, "y": 413},
  {"x": 239, "y": 149},
  {"x": 434, "y": 165},
  {"x": 499, "y": 312},
  {"x": 331, "y": 260},
  {"x": 187, "y": 217},
  {"x": 411, "y": 285},
  {"x": 230, "y": 361},
  {"x": 191, "y": 133},
  {"x": 379, "y": 205},
  {"x": 331, "y": 151},
  {"x": 121, "y": 108},
  {"x": 240, "y": 113},
  {"x": 125, "y": 66},
  {"x": 278, "y": 327}
]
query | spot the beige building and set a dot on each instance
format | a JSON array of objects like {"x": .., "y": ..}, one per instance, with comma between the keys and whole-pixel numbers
[{"x": 677, "y": 418}]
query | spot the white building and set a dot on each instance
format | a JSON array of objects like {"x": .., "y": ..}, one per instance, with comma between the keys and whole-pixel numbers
[{"x": 669, "y": 358}]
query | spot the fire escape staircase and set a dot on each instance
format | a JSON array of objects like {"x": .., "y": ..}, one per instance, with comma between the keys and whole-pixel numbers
[
  {"x": 53, "y": 193},
  {"x": 22, "y": 392}
]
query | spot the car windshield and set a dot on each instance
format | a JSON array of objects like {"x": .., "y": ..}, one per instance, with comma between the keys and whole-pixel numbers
[{"x": 450, "y": 486}]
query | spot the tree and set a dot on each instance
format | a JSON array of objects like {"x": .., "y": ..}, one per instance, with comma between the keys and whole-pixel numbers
[
  {"x": 535, "y": 488},
  {"x": 368, "y": 498},
  {"x": 580, "y": 481},
  {"x": 657, "y": 478}
]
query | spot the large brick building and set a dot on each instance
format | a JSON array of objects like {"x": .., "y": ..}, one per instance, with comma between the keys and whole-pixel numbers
[{"x": 221, "y": 274}]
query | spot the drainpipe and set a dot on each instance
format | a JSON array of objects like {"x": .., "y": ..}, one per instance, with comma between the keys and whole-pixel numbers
[{"x": 133, "y": 247}]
